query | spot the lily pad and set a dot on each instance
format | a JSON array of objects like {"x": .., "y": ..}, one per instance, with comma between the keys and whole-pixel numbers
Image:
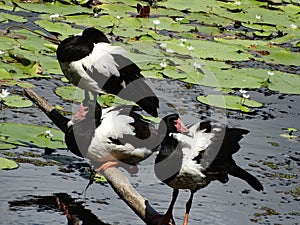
[
  {"x": 70, "y": 93},
  {"x": 31, "y": 135},
  {"x": 61, "y": 28},
  {"x": 55, "y": 8},
  {"x": 7, "y": 164},
  {"x": 6, "y": 17},
  {"x": 6, "y": 146},
  {"x": 285, "y": 83},
  {"x": 230, "y": 102},
  {"x": 91, "y": 21},
  {"x": 17, "y": 101}
]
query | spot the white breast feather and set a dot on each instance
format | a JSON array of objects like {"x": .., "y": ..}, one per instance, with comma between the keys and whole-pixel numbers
[
  {"x": 191, "y": 147},
  {"x": 99, "y": 63},
  {"x": 115, "y": 126}
]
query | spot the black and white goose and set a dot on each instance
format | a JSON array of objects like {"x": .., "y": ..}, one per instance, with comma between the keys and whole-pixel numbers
[
  {"x": 90, "y": 62},
  {"x": 112, "y": 136},
  {"x": 190, "y": 158},
  {"x": 123, "y": 138}
]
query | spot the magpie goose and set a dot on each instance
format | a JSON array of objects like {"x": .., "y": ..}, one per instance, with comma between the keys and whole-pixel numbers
[
  {"x": 112, "y": 136},
  {"x": 123, "y": 138},
  {"x": 90, "y": 62},
  {"x": 191, "y": 157}
]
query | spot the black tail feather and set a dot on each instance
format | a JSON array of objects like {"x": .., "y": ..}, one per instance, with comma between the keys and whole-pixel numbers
[{"x": 244, "y": 175}]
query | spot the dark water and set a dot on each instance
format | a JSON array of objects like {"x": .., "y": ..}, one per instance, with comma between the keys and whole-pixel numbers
[{"x": 48, "y": 195}]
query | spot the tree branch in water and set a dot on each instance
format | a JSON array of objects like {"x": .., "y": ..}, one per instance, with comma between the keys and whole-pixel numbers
[{"x": 114, "y": 176}]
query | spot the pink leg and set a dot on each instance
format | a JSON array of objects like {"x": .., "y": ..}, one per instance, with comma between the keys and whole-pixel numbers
[
  {"x": 130, "y": 169},
  {"x": 107, "y": 165},
  {"x": 80, "y": 114}
]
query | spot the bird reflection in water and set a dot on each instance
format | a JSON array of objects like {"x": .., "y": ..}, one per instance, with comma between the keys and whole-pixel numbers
[{"x": 74, "y": 210}]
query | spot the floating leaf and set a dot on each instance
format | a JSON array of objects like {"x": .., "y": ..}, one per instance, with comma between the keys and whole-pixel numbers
[
  {"x": 30, "y": 135},
  {"x": 62, "y": 28},
  {"x": 6, "y": 16},
  {"x": 99, "y": 178},
  {"x": 17, "y": 101},
  {"x": 91, "y": 21},
  {"x": 70, "y": 93},
  {"x": 229, "y": 102},
  {"x": 189, "y": 5},
  {"x": 117, "y": 9},
  {"x": 55, "y": 8},
  {"x": 291, "y": 129},
  {"x": 285, "y": 83},
  {"x": 7, "y": 164},
  {"x": 6, "y": 146},
  {"x": 22, "y": 84}
]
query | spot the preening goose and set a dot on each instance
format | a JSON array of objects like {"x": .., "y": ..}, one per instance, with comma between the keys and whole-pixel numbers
[
  {"x": 192, "y": 157},
  {"x": 90, "y": 62}
]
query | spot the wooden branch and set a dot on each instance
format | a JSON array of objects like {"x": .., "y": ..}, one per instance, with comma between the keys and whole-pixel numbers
[{"x": 114, "y": 176}]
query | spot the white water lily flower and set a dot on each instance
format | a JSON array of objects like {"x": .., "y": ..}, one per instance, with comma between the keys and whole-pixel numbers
[
  {"x": 163, "y": 64},
  {"x": 53, "y": 16},
  {"x": 181, "y": 44},
  {"x": 119, "y": 17},
  {"x": 237, "y": 2},
  {"x": 169, "y": 50},
  {"x": 271, "y": 73},
  {"x": 163, "y": 45},
  {"x": 190, "y": 48},
  {"x": 183, "y": 40},
  {"x": 156, "y": 22},
  {"x": 48, "y": 133},
  {"x": 196, "y": 65},
  {"x": 246, "y": 96},
  {"x": 293, "y": 26},
  {"x": 179, "y": 18},
  {"x": 4, "y": 93},
  {"x": 242, "y": 91},
  {"x": 258, "y": 17}
]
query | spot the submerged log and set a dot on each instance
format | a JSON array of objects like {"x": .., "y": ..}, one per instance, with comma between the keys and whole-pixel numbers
[{"x": 119, "y": 183}]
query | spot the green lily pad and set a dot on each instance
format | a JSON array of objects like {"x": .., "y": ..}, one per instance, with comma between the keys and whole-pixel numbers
[
  {"x": 55, "y": 8},
  {"x": 6, "y": 17},
  {"x": 7, "y": 164},
  {"x": 31, "y": 135},
  {"x": 291, "y": 129},
  {"x": 189, "y": 5},
  {"x": 285, "y": 83},
  {"x": 22, "y": 84},
  {"x": 75, "y": 94},
  {"x": 230, "y": 102},
  {"x": 99, "y": 178},
  {"x": 62, "y": 28},
  {"x": 70, "y": 93},
  {"x": 17, "y": 101},
  {"x": 91, "y": 21},
  {"x": 117, "y": 9},
  {"x": 4, "y": 146}
]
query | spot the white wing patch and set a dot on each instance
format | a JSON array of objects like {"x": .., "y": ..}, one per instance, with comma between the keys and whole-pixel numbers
[
  {"x": 115, "y": 126},
  {"x": 101, "y": 60},
  {"x": 99, "y": 63}
]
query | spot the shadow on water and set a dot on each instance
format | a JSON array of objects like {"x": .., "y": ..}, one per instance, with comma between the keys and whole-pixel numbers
[{"x": 75, "y": 211}]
